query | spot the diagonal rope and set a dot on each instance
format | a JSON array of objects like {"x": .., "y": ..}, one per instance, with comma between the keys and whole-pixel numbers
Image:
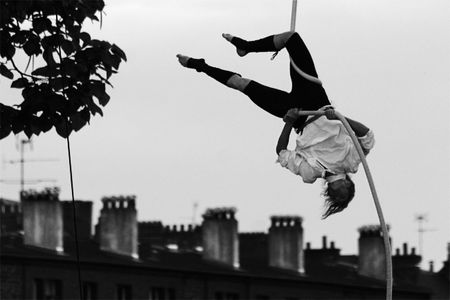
[{"x": 387, "y": 246}]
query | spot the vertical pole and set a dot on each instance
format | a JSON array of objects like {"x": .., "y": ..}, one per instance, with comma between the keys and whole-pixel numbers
[{"x": 293, "y": 14}]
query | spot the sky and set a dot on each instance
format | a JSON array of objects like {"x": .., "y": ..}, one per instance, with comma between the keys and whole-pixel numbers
[{"x": 181, "y": 142}]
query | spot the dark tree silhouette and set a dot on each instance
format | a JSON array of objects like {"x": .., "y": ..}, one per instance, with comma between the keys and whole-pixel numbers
[{"x": 64, "y": 81}]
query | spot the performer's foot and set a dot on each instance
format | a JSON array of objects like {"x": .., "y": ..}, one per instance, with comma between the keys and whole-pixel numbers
[
  {"x": 191, "y": 63},
  {"x": 236, "y": 42}
]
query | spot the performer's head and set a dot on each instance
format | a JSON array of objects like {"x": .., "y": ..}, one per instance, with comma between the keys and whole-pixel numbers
[{"x": 338, "y": 193}]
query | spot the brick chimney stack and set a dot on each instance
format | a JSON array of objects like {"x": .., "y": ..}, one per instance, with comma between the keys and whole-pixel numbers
[
  {"x": 220, "y": 236},
  {"x": 371, "y": 260},
  {"x": 43, "y": 219},
  {"x": 118, "y": 226},
  {"x": 286, "y": 243}
]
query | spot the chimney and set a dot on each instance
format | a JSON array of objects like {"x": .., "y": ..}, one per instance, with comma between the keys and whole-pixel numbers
[
  {"x": 286, "y": 243},
  {"x": 371, "y": 260},
  {"x": 10, "y": 216},
  {"x": 43, "y": 219},
  {"x": 220, "y": 236},
  {"x": 118, "y": 227},
  {"x": 431, "y": 266},
  {"x": 83, "y": 212}
]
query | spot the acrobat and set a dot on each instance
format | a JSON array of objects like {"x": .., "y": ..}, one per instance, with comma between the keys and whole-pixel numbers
[{"x": 323, "y": 149}]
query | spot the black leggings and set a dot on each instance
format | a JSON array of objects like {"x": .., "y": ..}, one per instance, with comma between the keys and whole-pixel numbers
[{"x": 305, "y": 94}]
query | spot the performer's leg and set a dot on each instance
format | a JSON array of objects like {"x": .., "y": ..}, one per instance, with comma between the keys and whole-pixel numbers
[
  {"x": 230, "y": 79},
  {"x": 310, "y": 95},
  {"x": 275, "y": 102},
  {"x": 267, "y": 44},
  {"x": 300, "y": 54}
]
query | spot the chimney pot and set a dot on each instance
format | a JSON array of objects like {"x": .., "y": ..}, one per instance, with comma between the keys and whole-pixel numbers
[
  {"x": 118, "y": 228},
  {"x": 431, "y": 266},
  {"x": 220, "y": 236},
  {"x": 308, "y": 245},
  {"x": 332, "y": 245},
  {"x": 286, "y": 243},
  {"x": 413, "y": 251},
  {"x": 405, "y": 249},
  {"x": 42, "y": 221},
  {"x": 324, "y": 242},
  {"x": 371, "y": 259}
]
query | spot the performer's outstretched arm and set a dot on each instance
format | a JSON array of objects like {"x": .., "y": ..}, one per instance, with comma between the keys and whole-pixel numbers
[
  {"x": 289, "y": 119},
  {"x": 359, "y": 128},
  {"x": 283, "y": 140},
  {"x": 364, "y": 134}
]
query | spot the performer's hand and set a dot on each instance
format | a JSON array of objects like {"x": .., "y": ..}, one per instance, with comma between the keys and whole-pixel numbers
[
  {"x": 291, "y": 116},
  {"x": 330, "y": 114}
]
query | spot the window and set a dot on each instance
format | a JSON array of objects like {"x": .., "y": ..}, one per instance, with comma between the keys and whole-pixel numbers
[
  {"x": 47, "y": 289},
  {"x": 226, "y": 296},
  {"x": 123, "y": 292},
  {"x": 89, "y": 291},
  {"x": 161, "y": 293}
]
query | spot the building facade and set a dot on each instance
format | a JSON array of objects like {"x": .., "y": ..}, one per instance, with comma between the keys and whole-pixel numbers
[{"x": 127, "y": 259}]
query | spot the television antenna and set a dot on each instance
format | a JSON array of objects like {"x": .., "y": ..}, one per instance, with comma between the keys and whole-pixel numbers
[
  {"x": 420, "y": 219},
  {"x": 20, "y": 145}
]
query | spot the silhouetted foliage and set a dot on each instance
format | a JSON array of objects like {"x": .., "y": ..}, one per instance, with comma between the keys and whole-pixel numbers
[{"x": 64, "y": 81}]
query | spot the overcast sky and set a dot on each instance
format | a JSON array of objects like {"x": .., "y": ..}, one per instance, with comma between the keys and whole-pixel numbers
[{"x": 174, "y": 137}]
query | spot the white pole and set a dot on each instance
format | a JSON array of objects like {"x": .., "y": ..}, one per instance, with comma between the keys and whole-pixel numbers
[{"x": 293, "y": 14}]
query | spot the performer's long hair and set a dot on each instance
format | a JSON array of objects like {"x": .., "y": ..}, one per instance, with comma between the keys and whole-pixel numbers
[{"x": 337, "y": 200}]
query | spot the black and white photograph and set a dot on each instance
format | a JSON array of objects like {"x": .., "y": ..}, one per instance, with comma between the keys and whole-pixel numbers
[{"x": 224, "y": 150}]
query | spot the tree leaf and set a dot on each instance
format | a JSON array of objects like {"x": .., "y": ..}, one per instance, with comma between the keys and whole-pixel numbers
[
  {"x": 98, "y": 89},
  {"x": 95, "y": 109},
  {"x": 116, "y": 50},
  {"x": 32, "y": 46},
  {"x": 104, "y": 99},
  {"x": 41, "y": 24},
  {"x": 68, "y": 47},
  {"x": 20, "y": 37},
  {"x": 85, "y": 114},
  {"x": 19, "y": 83},
  {"x": 77, "y": 121},
  {"x": 85, "y": 37},
  {"x": 45, "y": 123},
  {"x": 47, "y": 71},
  {"x": 5, "y": 130},
  {"x": 28, "y": 131},
  {"x": 17, "y": 125},
  {"x": 57, "y": 83},
  {"x": 6, "y": 72},
  {"x": 48, "y": 57},
  {"x": 63, "y": 128},
  {"x": 111, "y": 60}
]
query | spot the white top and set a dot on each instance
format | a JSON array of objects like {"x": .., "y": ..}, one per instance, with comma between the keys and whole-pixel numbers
[{"x": 324, "y": 145}]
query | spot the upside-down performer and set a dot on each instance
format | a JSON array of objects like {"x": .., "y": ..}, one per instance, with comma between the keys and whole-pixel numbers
[{"x": 323, "y": 149}]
